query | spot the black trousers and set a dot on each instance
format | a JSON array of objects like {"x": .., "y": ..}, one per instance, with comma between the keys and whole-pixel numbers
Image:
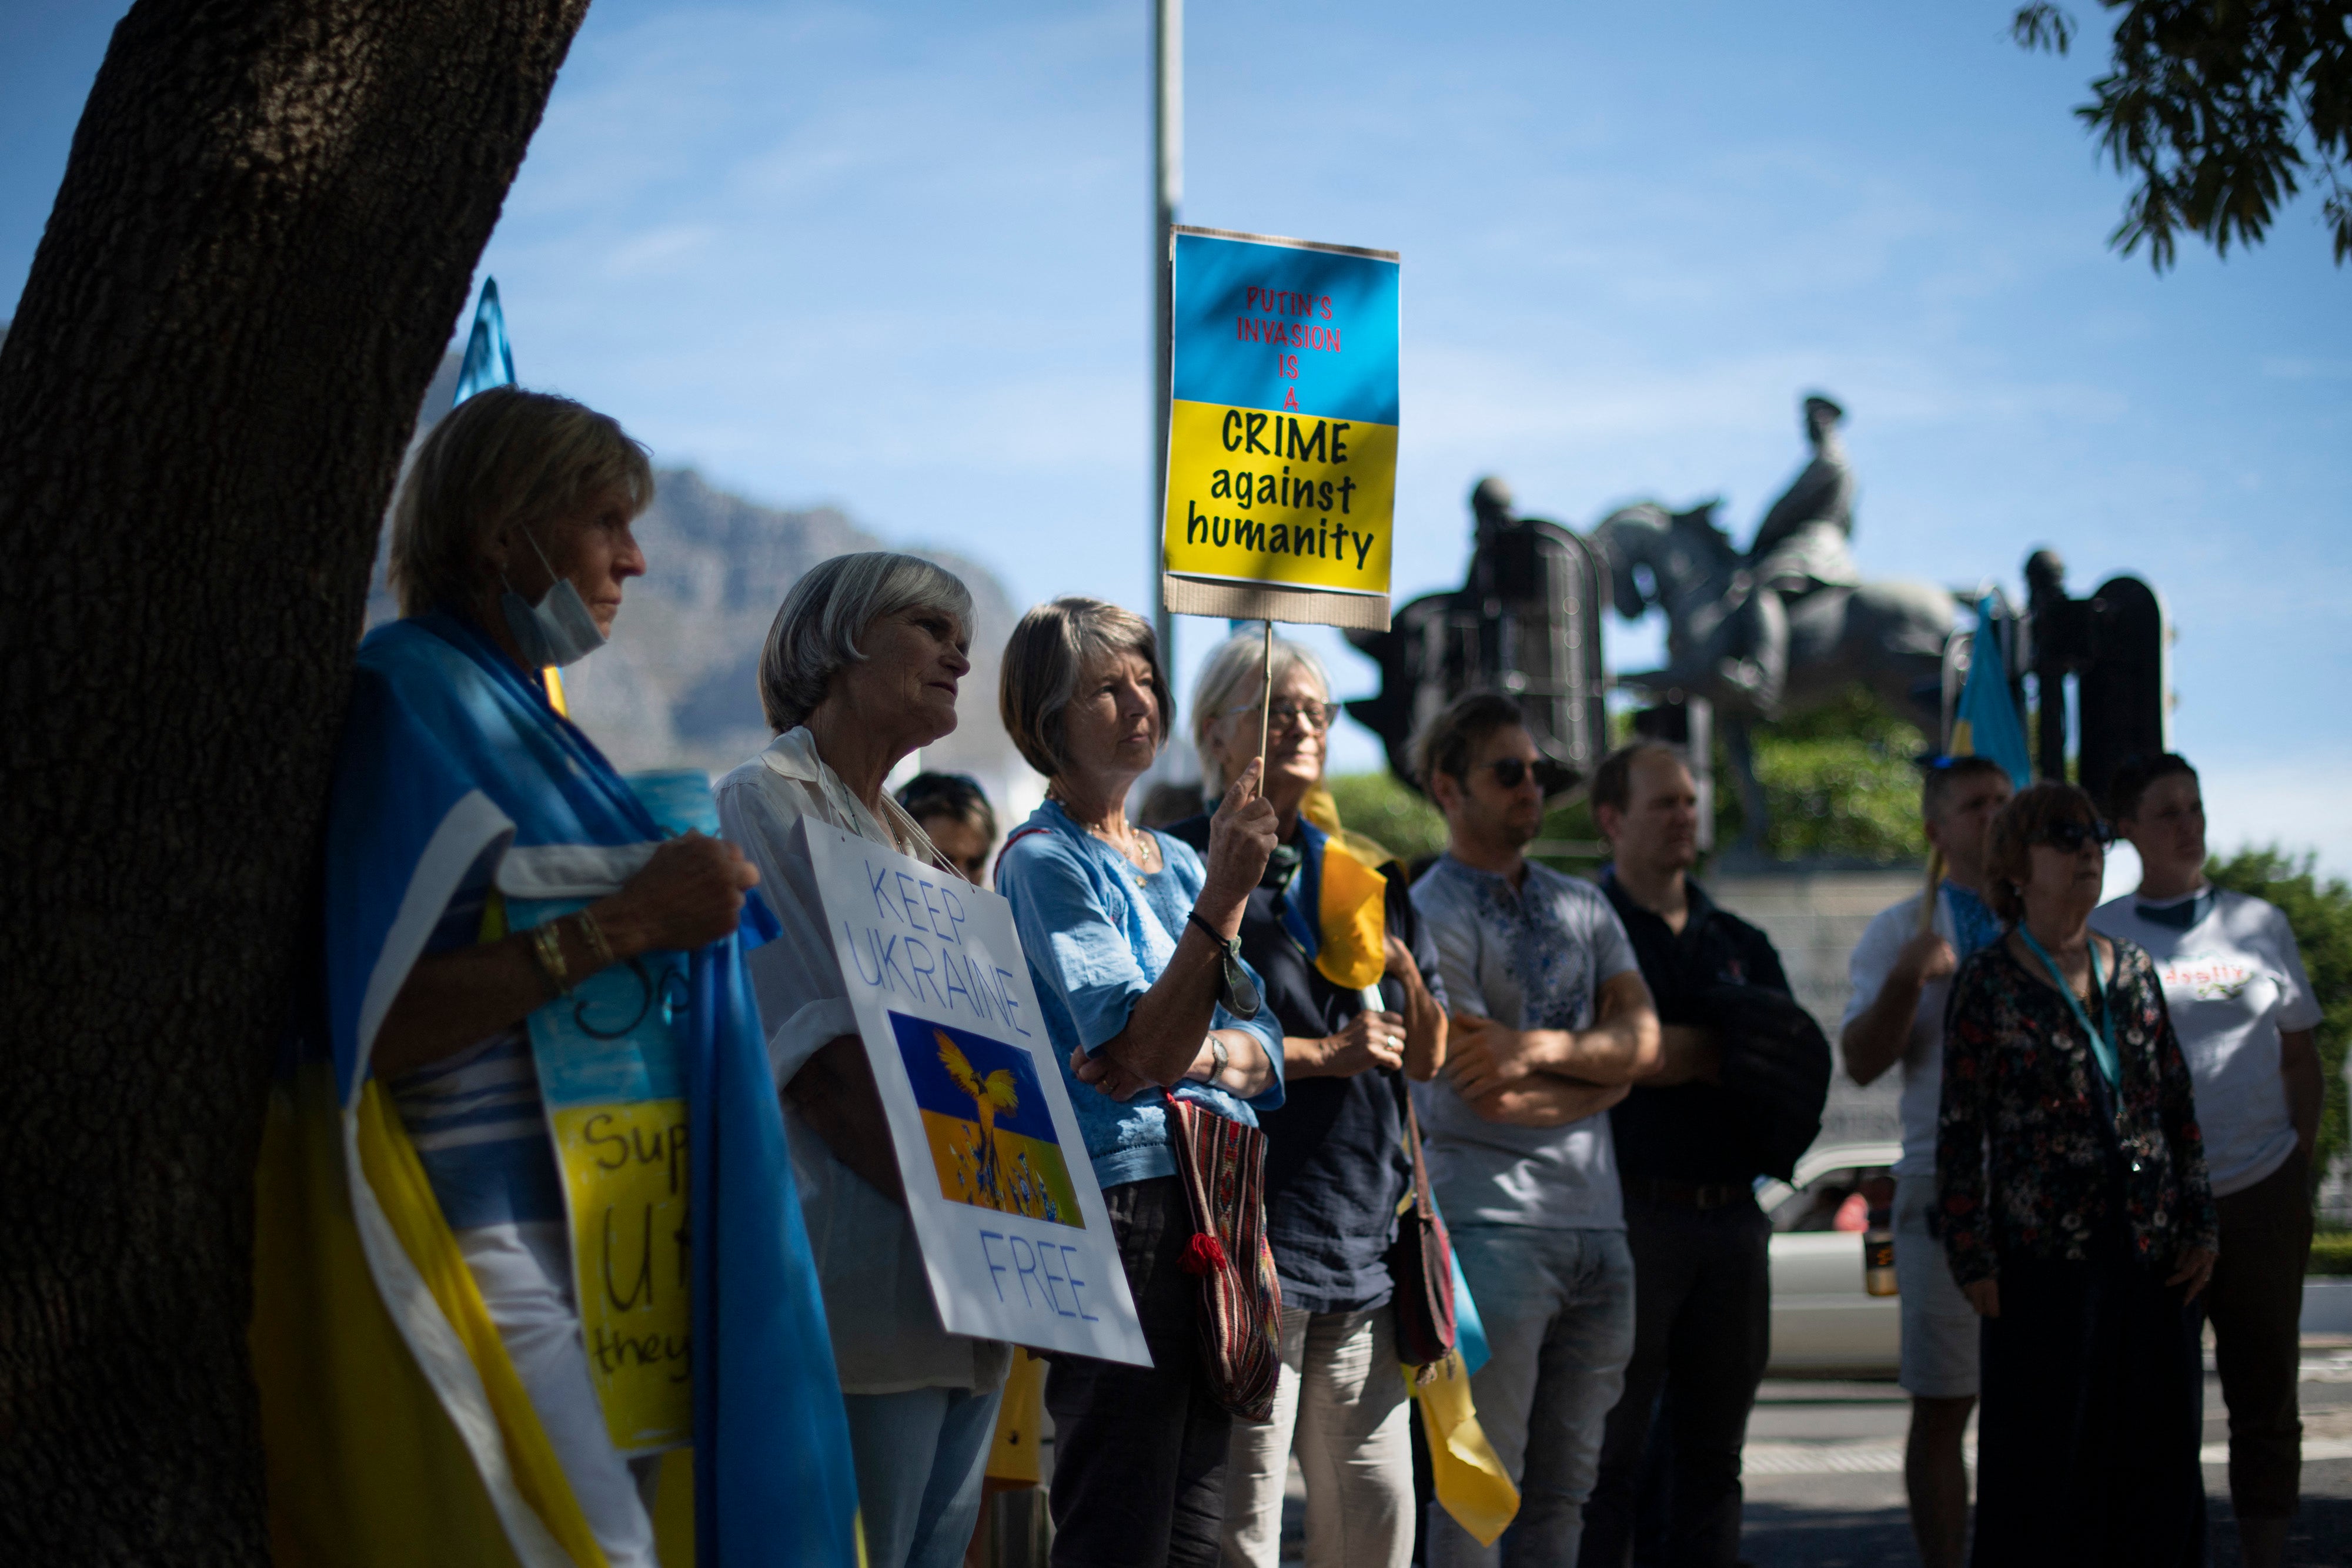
[
  {"x": 2255, "y": 1303},
  {"x": 1702, "y": 1333},
  {"x": 1140, "y": 1451},
  {"x": 2089, "y": 1419}
]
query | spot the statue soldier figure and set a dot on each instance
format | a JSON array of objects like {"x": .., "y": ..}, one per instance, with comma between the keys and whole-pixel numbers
[{"x": 1801, "y": 546}]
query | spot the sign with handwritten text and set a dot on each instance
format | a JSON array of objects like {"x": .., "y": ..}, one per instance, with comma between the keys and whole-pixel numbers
[
  {"x": 610, "y": 1076},
  {"x": 1003, "y": 1196},
  {"x": 1282, "y": 432}
]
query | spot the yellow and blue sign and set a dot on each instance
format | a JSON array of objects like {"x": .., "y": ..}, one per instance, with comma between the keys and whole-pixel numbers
[
  {"x": 609, "y": 1072},
  {"x": 1281, "y": 436},
  {"x": 988, "y": 1122}
]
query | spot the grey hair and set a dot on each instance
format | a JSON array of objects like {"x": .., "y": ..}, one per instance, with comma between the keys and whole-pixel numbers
[
  {"x": 504, "y": 457},
  {"x": 1234, "y": 674},
  {"x": 1046, "y": 658},
  {"x": 815, "y": 634}
]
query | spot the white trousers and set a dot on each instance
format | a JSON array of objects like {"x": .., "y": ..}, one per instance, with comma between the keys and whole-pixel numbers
[
  {"x": 1343, "y": 1400},
  {"x": 525, "y": 1275}
]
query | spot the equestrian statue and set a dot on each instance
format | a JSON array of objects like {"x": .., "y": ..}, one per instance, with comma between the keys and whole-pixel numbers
[{"x": 1785, "y": 626}]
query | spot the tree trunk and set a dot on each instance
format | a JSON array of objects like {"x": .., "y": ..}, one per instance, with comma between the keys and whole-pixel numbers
[{"x": 265, "y": 234}]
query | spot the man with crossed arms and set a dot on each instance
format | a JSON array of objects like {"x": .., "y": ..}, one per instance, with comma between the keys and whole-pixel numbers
[{"x": 1552, "y": 1021}]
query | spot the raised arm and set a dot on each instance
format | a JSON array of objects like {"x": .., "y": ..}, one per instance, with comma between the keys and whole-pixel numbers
[{"x": 1875, "y": 1039}]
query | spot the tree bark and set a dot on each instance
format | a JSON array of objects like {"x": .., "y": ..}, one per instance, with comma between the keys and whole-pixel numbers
[{"x": 266, "y": 231}]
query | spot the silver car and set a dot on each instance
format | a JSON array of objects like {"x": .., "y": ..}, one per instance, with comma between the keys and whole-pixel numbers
[{"x": 1823, "y": 1322}]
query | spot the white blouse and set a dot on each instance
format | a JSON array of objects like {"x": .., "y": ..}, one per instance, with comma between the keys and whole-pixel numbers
[{"x": 887, "y": 1334}]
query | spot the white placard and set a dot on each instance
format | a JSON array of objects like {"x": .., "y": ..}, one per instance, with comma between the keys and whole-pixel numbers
[{"x": 1005, "y": 1206}]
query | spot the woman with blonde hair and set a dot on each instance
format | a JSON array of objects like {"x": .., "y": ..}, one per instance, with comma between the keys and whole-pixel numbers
[
  {"x": 504, "y": 924},
  {"x": 1351, "y": 977}
]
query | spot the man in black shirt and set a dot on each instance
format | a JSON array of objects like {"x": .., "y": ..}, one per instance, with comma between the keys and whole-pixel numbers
[{"x": 1687, "y": 1154}]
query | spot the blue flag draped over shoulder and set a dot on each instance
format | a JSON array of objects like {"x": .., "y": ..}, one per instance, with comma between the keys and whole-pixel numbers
[{"x": 397, "y": 1428}]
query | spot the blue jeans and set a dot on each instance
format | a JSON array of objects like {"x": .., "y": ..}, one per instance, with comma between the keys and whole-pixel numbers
[
  {"x": 921, "y": 1458},
  {"x": 1558, "y": 1307}
]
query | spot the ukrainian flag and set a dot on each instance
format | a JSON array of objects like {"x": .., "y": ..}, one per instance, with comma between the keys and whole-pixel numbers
[{"x": 1985, "y": 723}]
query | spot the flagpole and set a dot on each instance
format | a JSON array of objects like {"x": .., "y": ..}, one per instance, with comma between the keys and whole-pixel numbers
[{"x": 1168, "y": 189}]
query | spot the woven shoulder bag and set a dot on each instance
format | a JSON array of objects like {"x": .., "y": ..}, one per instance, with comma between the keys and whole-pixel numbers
[{"x": 1222, "y": 1166}]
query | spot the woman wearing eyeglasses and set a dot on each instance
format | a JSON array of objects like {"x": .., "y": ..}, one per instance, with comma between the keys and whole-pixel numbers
[
  {"x": 2070, "y": 1187},
  {"x": 1324, "y": 924}
]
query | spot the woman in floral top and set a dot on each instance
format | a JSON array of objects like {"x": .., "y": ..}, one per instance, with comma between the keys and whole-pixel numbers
[{"x": 2070, "y": 1187}]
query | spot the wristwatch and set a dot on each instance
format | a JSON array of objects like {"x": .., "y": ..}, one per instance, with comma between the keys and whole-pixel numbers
[{"x": 1218, "y": 1057}]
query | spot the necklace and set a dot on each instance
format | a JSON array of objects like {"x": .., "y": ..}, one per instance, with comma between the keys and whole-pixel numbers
[
  {"x": 1140, "y": 851},
  {"x": 1139, "y": 848}
]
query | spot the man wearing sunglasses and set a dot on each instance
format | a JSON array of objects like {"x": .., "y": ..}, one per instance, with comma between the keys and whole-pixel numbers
[
  {"x": 1691, "y": 1140},
  {"x": 1550, "y": 1021}
]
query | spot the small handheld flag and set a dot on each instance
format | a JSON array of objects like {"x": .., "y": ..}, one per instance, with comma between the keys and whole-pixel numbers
[
  {"x": 490, "y": 358},
  {"x": 1985, "y": 725}
]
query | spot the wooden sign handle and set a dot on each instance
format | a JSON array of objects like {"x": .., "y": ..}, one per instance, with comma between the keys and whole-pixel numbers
[
  {"x": 1928, "y": 898},
  {"x": 1265, "y": 709}
]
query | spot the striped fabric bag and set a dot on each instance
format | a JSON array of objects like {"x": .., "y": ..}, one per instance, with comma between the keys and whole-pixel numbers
[{"x": 1222, "y": 1166}]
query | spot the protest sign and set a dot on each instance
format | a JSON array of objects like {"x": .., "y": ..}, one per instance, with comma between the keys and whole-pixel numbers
[
  {"x": 614, "y": 1089},
  {"x": 1282, "y": 432},
  {"x": 1003, "y": 1196}
]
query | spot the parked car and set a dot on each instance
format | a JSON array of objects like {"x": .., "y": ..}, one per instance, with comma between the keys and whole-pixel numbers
[{"x": 1823, "y": 1322}]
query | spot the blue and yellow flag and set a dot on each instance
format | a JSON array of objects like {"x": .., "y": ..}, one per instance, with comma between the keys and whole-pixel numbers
[
  {"x": 490, "y": 358},
  {"x": 1985, "y": 723},
  {"x": 397, "y": 1428},
  {"x": 1281, "y": 436}
]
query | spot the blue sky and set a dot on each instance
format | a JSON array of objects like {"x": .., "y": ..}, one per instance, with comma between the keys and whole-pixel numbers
[{"x": 895, "y": 257}]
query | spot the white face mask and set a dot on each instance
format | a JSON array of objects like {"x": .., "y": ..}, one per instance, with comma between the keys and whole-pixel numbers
[{"x": 558, "y": 630}]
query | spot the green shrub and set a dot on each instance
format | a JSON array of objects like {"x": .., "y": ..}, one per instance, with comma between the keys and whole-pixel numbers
[
  {"x": 1379, "y": 806},
  {"x": 2331, "y": 1253},
  {"x": 1841, "y": 781}
]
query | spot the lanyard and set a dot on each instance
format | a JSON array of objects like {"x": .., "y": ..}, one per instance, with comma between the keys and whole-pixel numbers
[{"x": 2103, "y": 1050}]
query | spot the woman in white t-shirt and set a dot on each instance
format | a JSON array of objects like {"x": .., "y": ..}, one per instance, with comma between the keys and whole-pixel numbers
[{"x": 2234, "y": 985}]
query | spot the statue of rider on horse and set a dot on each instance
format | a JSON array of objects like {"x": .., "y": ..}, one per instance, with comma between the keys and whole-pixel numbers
[{"x": 1787, "y": 625}]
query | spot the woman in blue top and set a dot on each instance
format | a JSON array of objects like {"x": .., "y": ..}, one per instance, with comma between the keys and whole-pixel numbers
[{"x": 1129, "y": 933}]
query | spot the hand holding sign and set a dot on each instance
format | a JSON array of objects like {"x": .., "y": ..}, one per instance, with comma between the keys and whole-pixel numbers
[{"x": 1242, "y": 835}]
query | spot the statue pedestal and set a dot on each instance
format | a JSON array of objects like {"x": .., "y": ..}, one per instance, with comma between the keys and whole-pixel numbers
[{"x": 1816, "y": 915}]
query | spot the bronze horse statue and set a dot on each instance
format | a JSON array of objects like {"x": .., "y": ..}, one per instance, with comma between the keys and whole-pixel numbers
[{"x": 1889, "y": 635}]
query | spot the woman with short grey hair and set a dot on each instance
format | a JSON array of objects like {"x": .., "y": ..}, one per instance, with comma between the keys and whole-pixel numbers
[
  {"x": 859, "y": 671},
  {"x": 1131, "y": 939}
]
